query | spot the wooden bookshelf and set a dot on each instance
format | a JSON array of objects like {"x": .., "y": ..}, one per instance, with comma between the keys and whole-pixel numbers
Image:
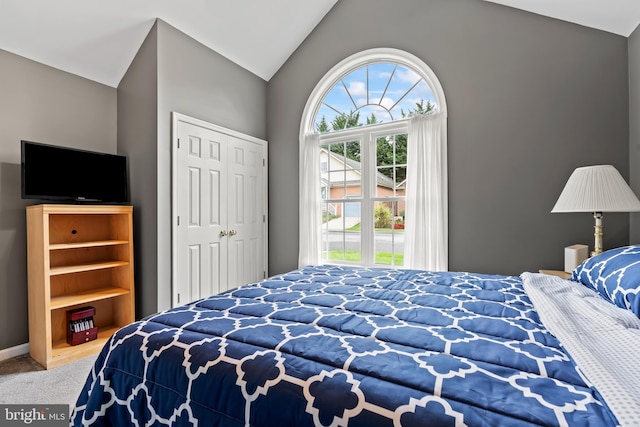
[{"x": 77, "y": 255}]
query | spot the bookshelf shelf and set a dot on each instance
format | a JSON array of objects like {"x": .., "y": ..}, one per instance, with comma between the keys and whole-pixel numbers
[
  {"x": 86, "y": 297},
  {"x": 68, "y": 269},
  {"x": 61, "y": 246}
]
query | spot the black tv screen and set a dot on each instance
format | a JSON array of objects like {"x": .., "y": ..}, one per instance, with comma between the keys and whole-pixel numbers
[{"x": 52, "y": 172}]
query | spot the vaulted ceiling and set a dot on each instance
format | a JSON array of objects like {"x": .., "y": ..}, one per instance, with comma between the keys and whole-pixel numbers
[
  {"x": 615, "y": 16},
  {"x": 98, "y": 39}
]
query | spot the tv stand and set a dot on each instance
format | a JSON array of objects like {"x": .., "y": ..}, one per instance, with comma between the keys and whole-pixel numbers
[{"x": 78, "y": 256}]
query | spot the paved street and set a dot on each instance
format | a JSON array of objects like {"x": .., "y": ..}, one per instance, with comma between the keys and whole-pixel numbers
[{"x": 351, "y": 241}]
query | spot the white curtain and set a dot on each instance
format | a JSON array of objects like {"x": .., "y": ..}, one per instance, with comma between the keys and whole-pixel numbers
[
  {"x": 426, "y": 213},
  {"x": 309, "y": 252}
]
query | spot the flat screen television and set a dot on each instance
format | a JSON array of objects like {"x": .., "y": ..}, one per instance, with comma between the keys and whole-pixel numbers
[{"x": 51, "y": 172}]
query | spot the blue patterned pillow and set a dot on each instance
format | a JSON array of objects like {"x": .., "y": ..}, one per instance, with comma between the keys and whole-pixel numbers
[{"x": 614, "y": 274}]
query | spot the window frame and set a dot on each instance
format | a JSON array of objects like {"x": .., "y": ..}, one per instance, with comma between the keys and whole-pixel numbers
[
  {"x": 307, "y": 124},
  {"x": 367, "y": 135}
]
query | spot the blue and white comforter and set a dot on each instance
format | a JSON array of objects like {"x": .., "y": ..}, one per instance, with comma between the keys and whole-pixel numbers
[{"x": 338, "y": 346}]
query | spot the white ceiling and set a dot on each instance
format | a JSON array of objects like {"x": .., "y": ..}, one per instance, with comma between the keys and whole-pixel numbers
[
  {"x": 615, "y": 16},
  {"x": 98, "y": 39}
]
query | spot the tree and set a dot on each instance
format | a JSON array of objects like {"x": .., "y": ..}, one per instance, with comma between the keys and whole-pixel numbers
[
  {"x": 344, "y": 121},
  {"x": 387, "y": 156},
  {"x": 350, "y": 149},
  {"x": 323, "y": 126},
  {"x": 420, "y": 109}
]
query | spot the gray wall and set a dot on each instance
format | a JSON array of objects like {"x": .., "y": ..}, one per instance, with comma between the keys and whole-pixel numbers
[
  {"x": 138, "y": 140},
  {"x": 191, "y": 79},
  {"x": 42, "y": 104},
  {"x": 634, "y": 128},
  {"x": 529, "y": 98}
]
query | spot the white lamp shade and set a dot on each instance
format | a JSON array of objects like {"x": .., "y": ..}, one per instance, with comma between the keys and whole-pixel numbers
[{"x": 596, "y": 189}]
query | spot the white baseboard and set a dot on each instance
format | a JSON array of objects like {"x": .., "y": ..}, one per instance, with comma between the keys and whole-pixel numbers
[{"x": 11, "y": 352}]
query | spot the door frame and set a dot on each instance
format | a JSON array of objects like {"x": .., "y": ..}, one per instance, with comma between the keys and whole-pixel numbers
[{"x": 177, "y": 118}]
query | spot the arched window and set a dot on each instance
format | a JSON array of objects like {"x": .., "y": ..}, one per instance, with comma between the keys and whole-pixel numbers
[
  {"x": 356, "y": 202},
  {"x": 376, "y": 92}
]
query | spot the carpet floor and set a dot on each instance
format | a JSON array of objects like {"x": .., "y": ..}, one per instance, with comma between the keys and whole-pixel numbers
[{"x": 24, "y": 381}]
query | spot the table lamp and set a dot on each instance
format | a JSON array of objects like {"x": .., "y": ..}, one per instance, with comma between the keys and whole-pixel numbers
[{"x": 596, "y": 189}]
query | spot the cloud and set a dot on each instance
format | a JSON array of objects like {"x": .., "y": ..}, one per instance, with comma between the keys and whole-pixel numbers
[
  {"x": 385, "y": 102},
  {"x": 403, "y": 74},
  {"x": 357, "y": 88},
  {"x": 407, "y": 75}
]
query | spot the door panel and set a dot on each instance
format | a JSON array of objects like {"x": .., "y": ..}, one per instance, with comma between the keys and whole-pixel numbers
[
  {"x": 246, "y": 213},
  {"x": 200, "y": 179},
  {"x": 193, "y": 271}
]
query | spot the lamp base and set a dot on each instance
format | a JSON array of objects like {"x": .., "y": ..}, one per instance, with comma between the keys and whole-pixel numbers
[{"x": 597, "y": 234}]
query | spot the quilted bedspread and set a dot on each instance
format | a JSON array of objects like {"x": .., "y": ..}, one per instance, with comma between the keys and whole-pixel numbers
[{"x": 344, "y": 346}]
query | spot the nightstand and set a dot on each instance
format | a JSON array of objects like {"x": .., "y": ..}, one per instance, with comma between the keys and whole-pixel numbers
[{"x": 560, "y": 274}]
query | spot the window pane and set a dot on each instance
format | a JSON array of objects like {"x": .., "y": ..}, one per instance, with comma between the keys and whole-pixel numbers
[
  {"x": 337, "y": 184},
  {"x": 335, "y": 103},
  {"x": 341, "y": 234},
  {"x": 324, "y": 119},
  {"x": 356, "y": 87},
  {"x": 329, "y": 212},
  {"x": 400, "y": 180},
  {"x": 353, "y": 171},
  {"x": 341, "y": 170},
  {"x": 372, "y": 114},
  {"x": 400, "y": 142},
  {"x": 389, "y": 233},
  {"x": 384, "y": 151},
  {"x": 379, "y": 75},
  {"x": 416, "y": 101},
  {"x": 391, "y": 169}
]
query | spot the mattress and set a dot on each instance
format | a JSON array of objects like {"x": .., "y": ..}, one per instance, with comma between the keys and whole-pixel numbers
[{"x": 345, "y": 346}]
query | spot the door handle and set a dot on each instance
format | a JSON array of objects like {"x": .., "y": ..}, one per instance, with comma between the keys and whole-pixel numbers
[
  {"x": 232, "y": 232},
  {"x": 223, "y": 233}
]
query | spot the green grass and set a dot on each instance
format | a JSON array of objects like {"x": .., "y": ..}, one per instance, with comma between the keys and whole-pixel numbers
[
  {"x": 354, "y": 256},
  {"x": 383, "y": 230}
]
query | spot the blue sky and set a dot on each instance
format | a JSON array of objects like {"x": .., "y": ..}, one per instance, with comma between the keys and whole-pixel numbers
[{"x": 380, "y": 88}]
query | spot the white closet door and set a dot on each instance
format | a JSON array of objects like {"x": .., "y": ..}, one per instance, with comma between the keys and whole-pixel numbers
[
  {"x": 245, "y": 212},
  {"x": 200, "y": 239},
  {"x": 219, "y": 229}
]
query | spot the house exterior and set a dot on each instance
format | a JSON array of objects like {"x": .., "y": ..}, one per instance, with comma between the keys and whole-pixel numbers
[{"x": 341, "y": 178}]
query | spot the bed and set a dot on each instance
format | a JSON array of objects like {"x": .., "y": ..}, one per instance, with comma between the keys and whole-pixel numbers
[{"x": 355, "y": 346}]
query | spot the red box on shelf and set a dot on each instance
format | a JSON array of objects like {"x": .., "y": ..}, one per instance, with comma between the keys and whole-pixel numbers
[{"x": 80, "y": 325}]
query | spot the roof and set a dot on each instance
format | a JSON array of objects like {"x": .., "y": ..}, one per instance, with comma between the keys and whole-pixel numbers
[{"x": 381, "y": 179}]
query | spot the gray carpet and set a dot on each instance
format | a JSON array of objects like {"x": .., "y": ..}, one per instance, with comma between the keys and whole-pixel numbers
[{"x": 24, "y": 381}]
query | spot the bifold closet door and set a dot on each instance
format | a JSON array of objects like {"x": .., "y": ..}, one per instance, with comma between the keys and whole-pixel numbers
[{"x": 219, "y": 211}]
